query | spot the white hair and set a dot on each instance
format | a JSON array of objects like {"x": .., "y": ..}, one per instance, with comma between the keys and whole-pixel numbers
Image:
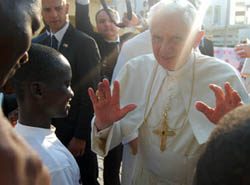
[{"x": 167, "y": 7}]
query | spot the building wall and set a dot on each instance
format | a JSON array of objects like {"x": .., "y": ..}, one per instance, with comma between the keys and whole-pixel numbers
[{"x": 230, "y": 27}]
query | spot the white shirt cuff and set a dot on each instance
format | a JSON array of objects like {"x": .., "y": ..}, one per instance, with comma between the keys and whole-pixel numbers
[
  {"x": 102, "y": 134},
  {"x": 130, "y": 138},
  {"x": 82, "y": 2}
]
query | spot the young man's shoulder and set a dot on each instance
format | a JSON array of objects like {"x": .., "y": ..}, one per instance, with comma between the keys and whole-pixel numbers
[
  {"x": 40, "y": 38},
  {"x": 51, "y": 151}
]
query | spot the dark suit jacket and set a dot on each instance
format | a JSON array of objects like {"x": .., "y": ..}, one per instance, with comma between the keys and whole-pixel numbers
[
  {"x": 9, "y": 103},
  {"x": 83, "y": 55},
  {"x": 207, "y": 47},
  {"x": 109, "y": 50}
]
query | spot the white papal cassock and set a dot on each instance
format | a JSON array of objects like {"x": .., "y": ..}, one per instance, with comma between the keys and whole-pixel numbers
[{"x": 155, "y": 91}]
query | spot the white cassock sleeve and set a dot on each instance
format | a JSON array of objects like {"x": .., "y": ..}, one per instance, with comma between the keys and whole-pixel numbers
[
  {"x": 102, "y": 141},
  {"x": 132, "y": 90}
]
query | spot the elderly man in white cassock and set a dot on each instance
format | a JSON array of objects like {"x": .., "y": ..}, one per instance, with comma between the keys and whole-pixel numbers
[{"x": 151, "y": 108}]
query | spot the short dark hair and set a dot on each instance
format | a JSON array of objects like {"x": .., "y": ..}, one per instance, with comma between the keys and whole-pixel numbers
[
  {"x": 44, "y": 65},
  {"x": 226, "y": 159}
]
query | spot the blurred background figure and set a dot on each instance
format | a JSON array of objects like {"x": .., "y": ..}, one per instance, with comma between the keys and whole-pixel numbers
[
  {"x": 243, "y": 51},
  {"x": 206, "y": 46},
  {"x": 109, "y": 43}
]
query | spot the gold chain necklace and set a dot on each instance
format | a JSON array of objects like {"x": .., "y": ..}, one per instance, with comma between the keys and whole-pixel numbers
[{"x": 164, "y": 130}]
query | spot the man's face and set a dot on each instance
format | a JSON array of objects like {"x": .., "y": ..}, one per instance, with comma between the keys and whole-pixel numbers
[
  {"x": 170, "y": 42},
  {"x": 106, "y": 27},
  {"x": 55, "y": 13},
  {"x": 57, "y": 96}
]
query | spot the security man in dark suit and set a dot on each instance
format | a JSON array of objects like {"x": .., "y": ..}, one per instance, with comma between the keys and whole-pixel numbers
[
  {"x": 83, "y": 55},
  {"x": 109, "y": 43},
  {"x": 206, "y": 47}
]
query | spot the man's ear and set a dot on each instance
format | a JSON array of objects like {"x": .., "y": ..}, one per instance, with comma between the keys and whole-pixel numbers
[
  {"x": 37, "y": 89},
  {"x": 199, "y": 36},
  {"x": 67, "y": 8}
]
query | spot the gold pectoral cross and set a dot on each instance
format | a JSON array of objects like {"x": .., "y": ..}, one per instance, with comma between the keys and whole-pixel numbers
[{"x": 163, "y": 132}]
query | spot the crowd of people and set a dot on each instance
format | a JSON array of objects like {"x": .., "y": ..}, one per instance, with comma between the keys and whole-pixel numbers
[{"x": 170, "y": 112}]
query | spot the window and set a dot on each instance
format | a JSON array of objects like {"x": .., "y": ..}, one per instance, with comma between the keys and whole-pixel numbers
[{"x": 217, "y": 15}]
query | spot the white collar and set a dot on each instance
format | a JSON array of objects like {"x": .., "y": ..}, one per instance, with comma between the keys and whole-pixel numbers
[
  {"x": 59, "y": 34},
  {"x": 29, "y": 130},
  {"x": 114, "y": 41}
]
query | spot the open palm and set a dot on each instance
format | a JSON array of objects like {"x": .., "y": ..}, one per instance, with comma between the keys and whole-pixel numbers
[
  {"x": 225, "y": 102},
  {"x": 106, "y": 105}
]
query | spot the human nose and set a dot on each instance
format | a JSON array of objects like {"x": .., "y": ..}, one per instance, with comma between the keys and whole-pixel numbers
[
  {"x": 24, "y": 59},
  {"x": 53, "y": 13},
  {"x": 108, "y": 23},
  {"x": 167, "y": 47},
  {"x": 71, "y": 93}
]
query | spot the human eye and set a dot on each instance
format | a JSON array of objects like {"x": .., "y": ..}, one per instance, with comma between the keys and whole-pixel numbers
[
  {"x": 156, "y": 38},
  {"x": 177, "y": 39},
  {"x": 46, "y": 9},
  {"x": 59, "y": 8},
  {"x": 67, "y": 84},
  {"x": 102, "y": 21}
]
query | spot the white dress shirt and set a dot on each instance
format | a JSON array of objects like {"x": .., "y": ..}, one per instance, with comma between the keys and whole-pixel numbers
[
  {"x": 62, "y": 166},
  {"x": 59, "y": 34}
]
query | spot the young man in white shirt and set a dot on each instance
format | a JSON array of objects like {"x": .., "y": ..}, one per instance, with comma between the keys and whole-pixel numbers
[
  {"x": 83, "y": 56},
  {"x": 43, "y": 92}
]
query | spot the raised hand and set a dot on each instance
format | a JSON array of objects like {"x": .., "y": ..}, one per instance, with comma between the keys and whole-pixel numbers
[
  {"x": 133, "y": 22},
  {"x": 106, "y": 105},
  {"x": 225, "y": 102},
  {"x": 243, "y": 50}
]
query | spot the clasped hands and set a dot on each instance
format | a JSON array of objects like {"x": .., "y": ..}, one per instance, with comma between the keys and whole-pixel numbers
[{"x": 107, "y": 106}]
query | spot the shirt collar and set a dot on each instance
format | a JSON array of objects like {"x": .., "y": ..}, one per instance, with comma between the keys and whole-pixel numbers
[
  {"x": 114, "y": 41},
  {"x": 59, "y": 35},
  {"x": 29, "y": 130}
]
